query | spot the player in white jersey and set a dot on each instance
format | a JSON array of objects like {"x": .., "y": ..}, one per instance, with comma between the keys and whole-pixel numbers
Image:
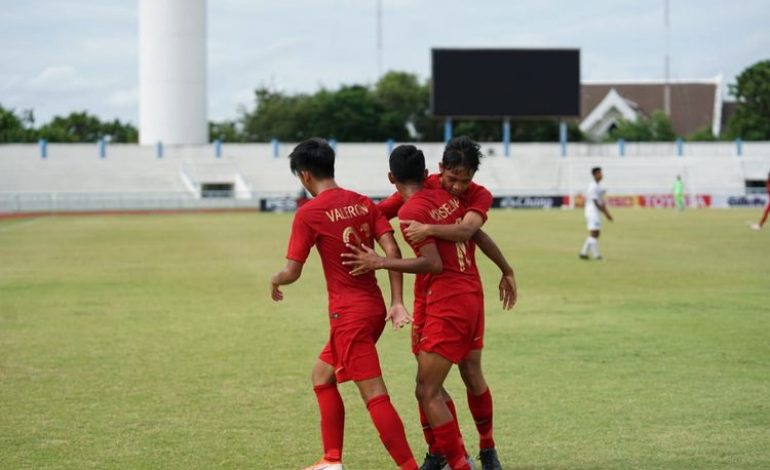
[{"x": 594, "y": 207}]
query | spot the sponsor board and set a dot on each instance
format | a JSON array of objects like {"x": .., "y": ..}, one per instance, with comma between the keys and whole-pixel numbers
[
  {"x": 666, "y": 201},
  {"x": 527, "y": 202},
  {"x": 657, "y": 201},
  {"x": 278, "y": 204},
  {"x": 753, "y": 200}
]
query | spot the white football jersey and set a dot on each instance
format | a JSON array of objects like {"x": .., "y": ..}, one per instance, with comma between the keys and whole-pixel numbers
[{"x": 595, "y": 192}]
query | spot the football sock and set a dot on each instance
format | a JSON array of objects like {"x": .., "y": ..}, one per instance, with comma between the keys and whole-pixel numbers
[
  {"x": 391, "y": 430},
  {"x": 481, "y": 409},
  {"x": 428, "y": 433},
  {"x": 594, "y": 246},
  {"x": 451, "y": 405},
  {"x": 448, "y": 443},
  {"x": 332, "y": 420},
  {"x": 586, "y": 246}
]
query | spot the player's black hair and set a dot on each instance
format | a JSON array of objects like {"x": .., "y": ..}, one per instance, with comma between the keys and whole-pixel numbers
[
  {"x": 462, "y": 152},
  {"x": 595, "y": 170},
  {"x": 314, "y": 155},
  {"x": 407, "y": 164}
]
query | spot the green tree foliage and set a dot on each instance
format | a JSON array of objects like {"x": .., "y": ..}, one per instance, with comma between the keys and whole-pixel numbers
[
  {"x": 226, "y": 131},
  {"x": 655, "y": 129},
  {"x": 76, "y": 127},
  {"x": 16, "y": 128},
  {"x": 703, "y": 134},
  {"x": 396, "y": 107},
  {"x": 751, "y": 120}
]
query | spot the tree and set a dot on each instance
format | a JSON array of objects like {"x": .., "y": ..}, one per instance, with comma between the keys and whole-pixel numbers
[
  {"x": 15, "y": 128},
  {"x": 751, "y": 120},
  {"x": 76, "y": 127},
  {"x": 655, "y": 129},
  {"x": 226, "y": 131}
]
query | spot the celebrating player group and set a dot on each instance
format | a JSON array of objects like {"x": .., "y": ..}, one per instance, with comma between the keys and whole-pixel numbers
[{"x": 440, "y": 216}]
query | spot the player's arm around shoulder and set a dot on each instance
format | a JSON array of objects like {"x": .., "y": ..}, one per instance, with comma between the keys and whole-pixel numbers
[{"x": 471, "y": 222}]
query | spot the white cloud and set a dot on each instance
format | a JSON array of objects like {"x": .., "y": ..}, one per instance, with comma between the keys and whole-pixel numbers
[
  {"x": 56, "y": 78},
  {"x": 124, "y": 98}
]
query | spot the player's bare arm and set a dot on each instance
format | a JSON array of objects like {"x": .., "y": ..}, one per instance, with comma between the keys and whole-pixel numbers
[
  {"x": 603, "y": 208},
  {"x": 397, "y": 314},
  {"x": 507, "y": 286},
  {"x": 472, "y": 221},
  {"x": 364, "y": 259},
  {"x": 289, "y": 274}
]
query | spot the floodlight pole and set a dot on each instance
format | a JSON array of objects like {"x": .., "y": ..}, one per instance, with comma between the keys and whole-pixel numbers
[
  {"x": 379, "y": 39},
  {"x": 667, "y": 64}
]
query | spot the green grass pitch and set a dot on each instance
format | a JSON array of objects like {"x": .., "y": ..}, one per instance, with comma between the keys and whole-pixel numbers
[{"x": 150, "y": 341}]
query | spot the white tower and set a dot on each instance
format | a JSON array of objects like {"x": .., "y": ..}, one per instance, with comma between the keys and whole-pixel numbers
[{"x": 172, "y": 72}]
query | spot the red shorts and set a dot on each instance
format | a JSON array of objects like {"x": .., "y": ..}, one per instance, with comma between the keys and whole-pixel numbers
[
  {"x": 453, "y": 327},
  {"x": 351, "y": 347}
]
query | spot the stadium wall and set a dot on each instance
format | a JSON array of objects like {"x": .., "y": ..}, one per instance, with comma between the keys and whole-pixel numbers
[{"x": 78, "y": 177}]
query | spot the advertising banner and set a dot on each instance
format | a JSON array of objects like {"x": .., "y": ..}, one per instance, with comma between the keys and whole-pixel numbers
[{"x": 528, "y": 202}]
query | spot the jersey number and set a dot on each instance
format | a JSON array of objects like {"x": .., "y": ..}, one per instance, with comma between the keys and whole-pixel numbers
[{"x": 356, "y": 237}]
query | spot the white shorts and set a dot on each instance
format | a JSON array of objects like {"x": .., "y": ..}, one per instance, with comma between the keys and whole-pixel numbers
[{"x": 594, "y": 222}]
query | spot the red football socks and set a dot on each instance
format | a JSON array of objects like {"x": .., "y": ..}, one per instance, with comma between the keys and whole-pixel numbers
[
  {"x": 391, "y": 430},
  {"x": 481, "y": 409},
  {"x": 332, "y": 420},
  {"x": 448, "y": 444},
  {"x": 429, "y": 439}
]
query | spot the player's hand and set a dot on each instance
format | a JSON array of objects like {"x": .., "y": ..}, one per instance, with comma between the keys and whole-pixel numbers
[
  {"x": 609, "y": 217},
  {"x": 508, "y": 291},
  {"x": 275, "y": 292},
  {"x": 362, "y": 259},
  {"x": 415, "y": 232},
  {"x": 398, "y": 316}
]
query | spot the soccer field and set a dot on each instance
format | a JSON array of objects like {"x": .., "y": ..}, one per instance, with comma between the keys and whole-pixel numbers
[{"x": 150, "y": 341}]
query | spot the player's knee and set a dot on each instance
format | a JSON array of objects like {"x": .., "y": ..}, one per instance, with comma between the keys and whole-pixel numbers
[
  {"x": 322, "y": 375},
  {"x": 425, "y": 392},
  {"x": 473, "y": 377}
]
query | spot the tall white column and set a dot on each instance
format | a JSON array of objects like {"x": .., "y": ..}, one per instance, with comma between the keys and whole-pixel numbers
[{"x": 172, "y": 72}]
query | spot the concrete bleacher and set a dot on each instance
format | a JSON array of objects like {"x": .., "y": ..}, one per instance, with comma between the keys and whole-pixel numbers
[{"x": 133, "y": 173}]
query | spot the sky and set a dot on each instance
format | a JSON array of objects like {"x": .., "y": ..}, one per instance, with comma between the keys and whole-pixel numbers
[{"x": 61, "y": 56}]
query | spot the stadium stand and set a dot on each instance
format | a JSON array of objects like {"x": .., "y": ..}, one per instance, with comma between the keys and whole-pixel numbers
[{"x": 74, "y": 177}]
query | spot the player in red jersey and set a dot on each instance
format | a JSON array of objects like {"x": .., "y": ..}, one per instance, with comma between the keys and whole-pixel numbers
[
  {"x": 459, "y": 164},
  {"x": 357, "y": 313},
  {"x": 453, "y": 316},
  {"x": 767, "y": 208}
]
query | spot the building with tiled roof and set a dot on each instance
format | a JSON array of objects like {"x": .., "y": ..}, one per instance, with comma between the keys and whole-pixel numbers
[{"x": 695, "y": 104}]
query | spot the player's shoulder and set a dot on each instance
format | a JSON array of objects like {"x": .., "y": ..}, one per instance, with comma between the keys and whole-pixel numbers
[
  {"x": 419, "y": 203},
  {"x": 433, "y": 181},
  {"x": 476, "y": 190}
]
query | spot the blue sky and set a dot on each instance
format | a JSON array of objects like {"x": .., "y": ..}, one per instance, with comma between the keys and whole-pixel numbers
[{"x": 64, "y": 55}]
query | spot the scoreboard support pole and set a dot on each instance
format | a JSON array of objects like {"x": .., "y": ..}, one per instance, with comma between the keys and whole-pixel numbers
[
  {"x": 506, "y": 137},
  {"x": 447, "y": 130},
  {"x": 563, "y": 138}
]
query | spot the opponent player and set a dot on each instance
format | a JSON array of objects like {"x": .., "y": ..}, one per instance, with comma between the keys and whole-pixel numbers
[
  {"x": 453, "y": 317},
  {"x": 595, "y": 206},
  {"x": 357, "y": 313},
  {"x": 459, "y": 164},
  {"x": 767, "y": 208}
]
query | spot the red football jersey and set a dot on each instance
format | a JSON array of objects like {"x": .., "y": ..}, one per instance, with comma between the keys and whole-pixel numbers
[
  {"x": 459, "y": 275},
  {"x": 329, "y": 221},
  {"x": 476, "y": 198}
]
